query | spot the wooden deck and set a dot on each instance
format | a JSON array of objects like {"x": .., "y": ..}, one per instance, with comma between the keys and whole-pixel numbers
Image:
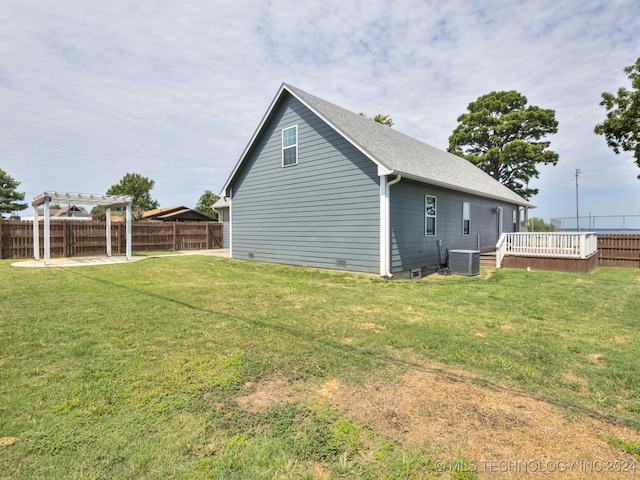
[
  {"x": 555, "y": 251},
  {"x": 554, "y": 264},
  {"x": 573, "y": 253}
]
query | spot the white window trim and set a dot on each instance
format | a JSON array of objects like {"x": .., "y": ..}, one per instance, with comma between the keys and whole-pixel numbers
[
  {"x": 435, "y": 217},
  {"x": 467, "y": 218},
  {"x": 295, "y": 145}
]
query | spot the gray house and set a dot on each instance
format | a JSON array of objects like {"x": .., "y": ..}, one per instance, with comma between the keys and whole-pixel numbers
[{"x": 321, "y": 186}]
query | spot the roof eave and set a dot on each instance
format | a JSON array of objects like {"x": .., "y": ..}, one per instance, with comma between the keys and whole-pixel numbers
[
  {"x": 241, "y": 160},
  {"x": 521, "y": 203}
]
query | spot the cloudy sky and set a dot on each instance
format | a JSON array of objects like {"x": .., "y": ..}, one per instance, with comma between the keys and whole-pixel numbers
[{"x": 173, "y": 90}]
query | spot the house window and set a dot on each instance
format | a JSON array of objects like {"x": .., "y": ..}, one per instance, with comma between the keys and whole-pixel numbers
[
  {"x": 466, "y": 218},
  {"x": 515, "y": 220},
  {"x": 429, "y": 215},
  {"x": 290, "y": 146}
]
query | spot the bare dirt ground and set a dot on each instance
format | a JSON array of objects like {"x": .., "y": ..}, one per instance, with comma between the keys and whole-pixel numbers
[{"x": 506, "y": 434}]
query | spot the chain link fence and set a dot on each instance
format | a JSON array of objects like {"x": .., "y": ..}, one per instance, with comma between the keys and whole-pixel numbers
[{"x": 598, "y": 223}]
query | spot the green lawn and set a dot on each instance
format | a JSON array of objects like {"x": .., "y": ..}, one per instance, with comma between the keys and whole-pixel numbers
[{"x": 131, "y": 371}]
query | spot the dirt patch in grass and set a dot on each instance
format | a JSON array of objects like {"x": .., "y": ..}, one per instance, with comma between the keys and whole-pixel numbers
[
  {"x": 507, "y": 434},
  {"x": 271, "y": 393},
  {"x": 595, "y": 357},
  {"x": 7, "y": 441}
]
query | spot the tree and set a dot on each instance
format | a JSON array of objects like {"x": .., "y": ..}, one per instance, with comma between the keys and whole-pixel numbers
[
  {"x": 99, "y": 213},
  {"x": 502, "y": 136},
  {"x": 138, "y": 188},
  {"x": 385, "y": 120},
  {"x": 621, "y": 128},
  {"x": 10, "y": 198},
  {"x": 205, "y": 203},
  {"x": 536, "y": 224}
]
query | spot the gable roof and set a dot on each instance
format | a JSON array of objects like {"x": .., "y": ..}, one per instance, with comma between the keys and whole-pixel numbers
[
  {"x": 178, "y": 213},
  {"x": 394, "y": 152}
]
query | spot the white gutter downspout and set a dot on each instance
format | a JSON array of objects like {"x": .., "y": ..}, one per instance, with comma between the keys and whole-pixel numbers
[
  {"x": 385, "y": 225},
  {"x": 230, "y": 191}
]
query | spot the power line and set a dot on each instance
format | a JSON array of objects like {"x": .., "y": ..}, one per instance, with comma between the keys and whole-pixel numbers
[
  {"x": 62, "y": 149},
  {"x": 48, "y": 130},
  {"x": 88, "y": 153},
  {"x": 578, "y": 172}
]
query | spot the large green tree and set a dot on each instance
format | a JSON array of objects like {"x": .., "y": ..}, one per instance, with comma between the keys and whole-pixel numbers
[
  {"x": 10, "y": 198},
  {"x": 504, "y": 137},
  {"x": 205, "y": 203},
  {"x": 621, "y": 128},
  {"x": 137, "y": 187}
]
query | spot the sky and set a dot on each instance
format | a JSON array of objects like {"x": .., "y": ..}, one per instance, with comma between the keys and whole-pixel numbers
[{"x": 174, "y": 90}]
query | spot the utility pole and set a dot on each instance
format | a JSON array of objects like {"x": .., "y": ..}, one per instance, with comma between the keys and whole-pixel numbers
[{"x": 578, "y": 172}]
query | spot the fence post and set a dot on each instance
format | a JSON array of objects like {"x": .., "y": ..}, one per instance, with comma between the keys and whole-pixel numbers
[
  {"x": 119, "y": 237},
  {"x": 65, "y": 242},
  {"x": 206, "y": 235},
  {"x": 175, "y": 236},
  {"x": 1, "y": 240}
]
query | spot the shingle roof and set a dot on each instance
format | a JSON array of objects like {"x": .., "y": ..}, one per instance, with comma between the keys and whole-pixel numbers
[
  {"x": 397, "y": 153},
  {"x": 175, "y": 213},
  {"x": 222, "y": 202}
]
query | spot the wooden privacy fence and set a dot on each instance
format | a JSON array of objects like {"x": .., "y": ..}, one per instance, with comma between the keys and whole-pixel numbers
[
  {"x": 619, "y": 250},
  {"x": 82, "y": 238}
]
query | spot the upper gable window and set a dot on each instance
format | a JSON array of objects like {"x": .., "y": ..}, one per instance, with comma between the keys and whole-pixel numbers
[{"x": 290, "y": 146}]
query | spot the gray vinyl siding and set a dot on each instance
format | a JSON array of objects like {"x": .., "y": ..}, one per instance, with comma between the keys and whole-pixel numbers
[
  {"x": 411, "y": 249},
  {"x": 224, "y": 217},
  {"x": 322, "y": 212}
]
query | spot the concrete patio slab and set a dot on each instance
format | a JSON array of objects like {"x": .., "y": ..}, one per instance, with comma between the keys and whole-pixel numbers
[
  {"x": 103, "y": 260},
  {"x": 76, "y": 262}
]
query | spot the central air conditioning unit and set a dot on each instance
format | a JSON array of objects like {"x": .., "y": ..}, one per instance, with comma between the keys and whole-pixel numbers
[{"x": 464, "y": 262}]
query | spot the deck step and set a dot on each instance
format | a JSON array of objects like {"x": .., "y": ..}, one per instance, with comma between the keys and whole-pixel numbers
[{"x": 488, "y": 260}]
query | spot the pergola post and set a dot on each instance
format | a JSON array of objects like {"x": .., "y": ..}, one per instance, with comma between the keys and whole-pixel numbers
[
  {"x": 129, "y": 231},
  {"x": 47, "y": 232},
  {"x": 108, "y": 231},
  {"x": 36, "y": 234}
]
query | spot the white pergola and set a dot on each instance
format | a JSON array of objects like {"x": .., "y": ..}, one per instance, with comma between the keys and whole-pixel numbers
[{"x": 46, "y": 198}]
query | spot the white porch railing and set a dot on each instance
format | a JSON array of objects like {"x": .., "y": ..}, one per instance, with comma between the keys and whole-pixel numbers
[{"x": 547, "y": 244}]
